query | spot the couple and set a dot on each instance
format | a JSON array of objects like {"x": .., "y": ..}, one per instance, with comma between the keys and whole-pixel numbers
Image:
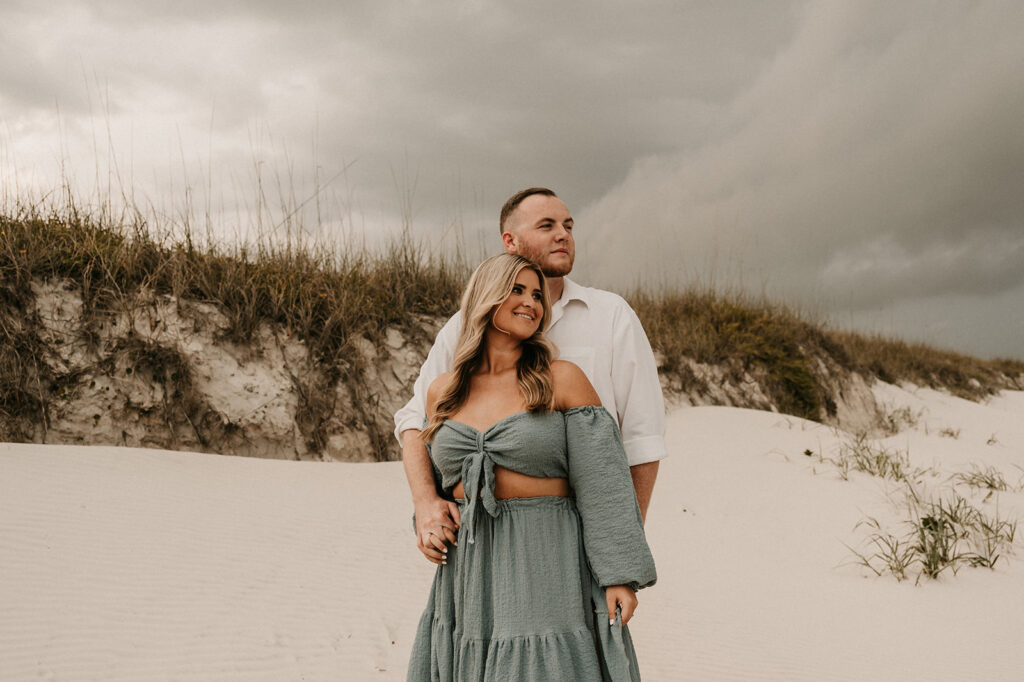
[{"x": 525, "y": 489}]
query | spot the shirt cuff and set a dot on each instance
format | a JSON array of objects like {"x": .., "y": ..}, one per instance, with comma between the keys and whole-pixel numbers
[
  {"x": 405, "y": 423},
  {"x": 644, "y": 450}
]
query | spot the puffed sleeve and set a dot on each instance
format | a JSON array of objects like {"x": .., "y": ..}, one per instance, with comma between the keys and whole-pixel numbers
[{"x": 613, "y": 531}]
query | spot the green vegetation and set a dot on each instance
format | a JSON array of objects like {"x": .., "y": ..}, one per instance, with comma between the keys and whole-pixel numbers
[
  {"x": 944, "y": 533},
  {"x": 860, "y": 454},
  {"x": 744, "y": 336},
  {"x": 989, "y": 478},
  {"x": 335, "y": 301},
  {"x": 328, "y": 300},
  {"x": 893, "y": 361}
]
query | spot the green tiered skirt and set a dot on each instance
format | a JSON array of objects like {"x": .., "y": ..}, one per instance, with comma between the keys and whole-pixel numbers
[{"x": 520, "y": 603}]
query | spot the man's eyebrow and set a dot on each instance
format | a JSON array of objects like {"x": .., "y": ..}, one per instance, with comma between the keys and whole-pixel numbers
[{"x": 552, "y": 220}]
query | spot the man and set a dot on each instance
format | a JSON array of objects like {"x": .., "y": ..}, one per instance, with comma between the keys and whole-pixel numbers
[{"x": 596, "y": 330}]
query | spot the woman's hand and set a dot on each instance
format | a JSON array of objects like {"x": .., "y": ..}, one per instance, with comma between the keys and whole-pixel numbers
[
  {"x": 436, "y": 522},
  {"x": 622, "y": 596}
]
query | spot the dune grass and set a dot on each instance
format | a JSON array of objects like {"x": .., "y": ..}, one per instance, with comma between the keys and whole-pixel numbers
[
  {"x": 858, "y": 453},
  {"x": 328, "y": 299},
  {"x": 744, "y": 335},
  {"x": 943, "y": 533},
  {"x": 324, "y": 296},
  {"x": 988, "y": 478},
  {"x": 942, "y": 530},
  {"x": 331, "y": 299},
  {"x": 895, "y": 361}
]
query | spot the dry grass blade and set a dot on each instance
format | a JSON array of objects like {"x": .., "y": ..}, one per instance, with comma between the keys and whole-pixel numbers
[
  {"x": 332, "y": 302},
  {"x": 989, "y": 478}
]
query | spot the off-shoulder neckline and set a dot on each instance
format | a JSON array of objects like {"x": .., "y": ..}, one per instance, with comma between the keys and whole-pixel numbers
[{"x": 520, "y": 413}]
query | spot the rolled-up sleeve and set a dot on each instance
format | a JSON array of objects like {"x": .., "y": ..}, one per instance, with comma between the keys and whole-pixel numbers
[
  {"x": 613, "y": 531},
  {"x": 439, "y": 361},
  {"x": 638, "y": 398}
]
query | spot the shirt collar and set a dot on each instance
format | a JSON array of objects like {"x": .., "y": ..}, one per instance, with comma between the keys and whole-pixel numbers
[{"x": 573, "y": 292}]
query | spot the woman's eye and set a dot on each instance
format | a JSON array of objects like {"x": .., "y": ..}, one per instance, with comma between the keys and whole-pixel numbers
[
  {"x": 517, "y": 290},
  {"x": 536, "y": 297}
]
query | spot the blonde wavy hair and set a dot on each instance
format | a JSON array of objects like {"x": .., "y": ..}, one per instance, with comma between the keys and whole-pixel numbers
[{"x": 489, "y": 287}]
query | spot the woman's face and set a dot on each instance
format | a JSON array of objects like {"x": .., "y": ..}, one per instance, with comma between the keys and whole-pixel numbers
[{"x": 521, "y": 313}]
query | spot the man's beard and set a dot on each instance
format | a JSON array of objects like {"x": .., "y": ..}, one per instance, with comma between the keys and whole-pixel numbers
[
  {"x": 560, "y": 271},
  {"x": 549, "y": 269}
]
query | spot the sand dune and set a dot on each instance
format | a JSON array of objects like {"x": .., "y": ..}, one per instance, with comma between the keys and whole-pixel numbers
[{"x": 138, "y": 565}]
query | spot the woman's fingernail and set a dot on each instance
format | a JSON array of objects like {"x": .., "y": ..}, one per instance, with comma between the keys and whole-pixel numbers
[{"x": 611, "y": 621}]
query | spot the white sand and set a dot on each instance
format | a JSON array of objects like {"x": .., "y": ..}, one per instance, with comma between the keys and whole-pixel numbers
[{"x": 137, "y": 565}]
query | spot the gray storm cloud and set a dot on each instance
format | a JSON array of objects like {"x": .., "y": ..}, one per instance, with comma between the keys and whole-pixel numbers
[
  {"x": 472, "y": 100},
  {"x": 859, "y": 158},
  {"x": 879, "y": 155}
]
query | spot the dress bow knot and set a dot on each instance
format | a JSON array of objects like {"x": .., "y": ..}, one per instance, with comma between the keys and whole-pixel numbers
[{"x": 478, "y": 484}]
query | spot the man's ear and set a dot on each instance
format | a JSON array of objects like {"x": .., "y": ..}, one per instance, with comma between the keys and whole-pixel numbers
[{"x": 508, "y": 240}]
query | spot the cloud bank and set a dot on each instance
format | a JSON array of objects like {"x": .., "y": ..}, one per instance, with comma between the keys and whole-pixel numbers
[
  {"x": 880, "y": 156},
  {"x": 861, "y": 159}
]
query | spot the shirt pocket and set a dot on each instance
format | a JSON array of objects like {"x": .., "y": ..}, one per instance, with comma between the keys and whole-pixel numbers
[{"x": 581, "y": 356}]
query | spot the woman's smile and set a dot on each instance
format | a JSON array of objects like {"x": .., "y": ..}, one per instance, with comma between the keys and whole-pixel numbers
[{"x": 520, "y": 314}]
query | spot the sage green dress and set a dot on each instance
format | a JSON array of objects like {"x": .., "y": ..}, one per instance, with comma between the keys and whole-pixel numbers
[{"x": 522, "y": 595}]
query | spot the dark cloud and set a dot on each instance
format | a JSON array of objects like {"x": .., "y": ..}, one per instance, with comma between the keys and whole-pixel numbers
[
  {"x": 840, "y": 153},
  {"x": 879, "y": 155}
]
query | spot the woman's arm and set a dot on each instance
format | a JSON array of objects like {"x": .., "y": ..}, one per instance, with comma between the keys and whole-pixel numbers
[{"x": 612, "y": 527}]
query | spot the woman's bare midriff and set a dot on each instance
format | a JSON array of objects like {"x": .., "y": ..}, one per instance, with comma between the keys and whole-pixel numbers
[{"x": 509, "y": 484}]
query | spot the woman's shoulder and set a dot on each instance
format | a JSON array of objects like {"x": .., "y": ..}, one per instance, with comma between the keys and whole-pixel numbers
[
  {"x": 571, "y": 386},
  {"x": 564, "y": 371}
]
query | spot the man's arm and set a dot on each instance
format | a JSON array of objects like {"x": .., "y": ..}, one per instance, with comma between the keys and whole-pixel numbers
[
  {"x": 643, "y": 483},
  {"x": 640, "y": 403},
  {"x": 436, "y": 518},
  {"x": 439, "y": 361}
]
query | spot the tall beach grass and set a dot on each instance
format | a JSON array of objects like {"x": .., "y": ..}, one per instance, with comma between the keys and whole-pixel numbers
[{"x": 332, "y": 297}]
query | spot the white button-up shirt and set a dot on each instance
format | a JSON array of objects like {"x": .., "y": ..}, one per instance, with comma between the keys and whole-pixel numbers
[{"x": 599, "y": 332}]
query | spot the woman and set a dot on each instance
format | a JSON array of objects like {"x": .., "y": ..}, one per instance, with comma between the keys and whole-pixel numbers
[{"x": 551, "y": 550}]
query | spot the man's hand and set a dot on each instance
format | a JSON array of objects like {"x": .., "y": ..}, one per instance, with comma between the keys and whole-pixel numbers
[{"x": 437, "y": 520}]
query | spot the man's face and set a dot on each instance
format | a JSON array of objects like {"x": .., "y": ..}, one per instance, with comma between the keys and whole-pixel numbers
[{"x": 541, "y": 229}]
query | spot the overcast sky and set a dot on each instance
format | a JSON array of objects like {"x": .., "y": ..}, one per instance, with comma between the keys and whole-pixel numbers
[{"x": 863, "y": 161}]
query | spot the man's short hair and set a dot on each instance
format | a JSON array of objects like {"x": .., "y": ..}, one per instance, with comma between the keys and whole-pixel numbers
[{"x": 516, "y": 199}]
